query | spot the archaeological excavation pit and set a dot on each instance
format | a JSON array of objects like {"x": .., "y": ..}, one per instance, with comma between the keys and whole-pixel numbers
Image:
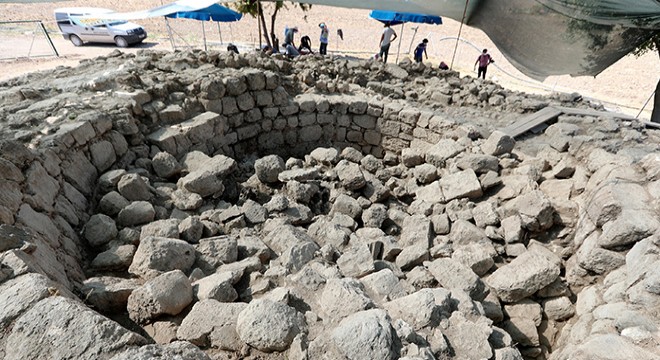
[{"x": 200, "y": 205}]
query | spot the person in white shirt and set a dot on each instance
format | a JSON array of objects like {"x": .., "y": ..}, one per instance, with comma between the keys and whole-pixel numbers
[{"x": 385, "y": 41}]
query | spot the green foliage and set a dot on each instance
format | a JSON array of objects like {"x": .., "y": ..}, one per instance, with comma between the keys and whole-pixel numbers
[
  {"x": 652, "y": 44},
  {"x": 249, "y": 7}
]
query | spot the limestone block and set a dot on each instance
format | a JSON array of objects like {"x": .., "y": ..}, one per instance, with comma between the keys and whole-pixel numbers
[
  {"x": 460, "y": 185},
  {"x": 366, "y": 335},
  {"x": 99, "y": 230},
  {"x": 108, "y": 294},
  {"x": 356, "y": 261},
  {"x": 156, "y": 255},
  {"x": 103, "y": 155},
  {"x": 451, "y": 274},
  {"x": 212, "y": 323},
  {"x": 269, "y": 326},
  {"x": 343, "y": 297},
  {"x": 166, "y": 294},
  {"x": 136, "y": 213},
  {"x": 522, "y": 277}
]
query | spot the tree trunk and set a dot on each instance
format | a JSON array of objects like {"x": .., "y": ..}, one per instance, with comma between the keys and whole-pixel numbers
[
  {"x": 263, "y": 26},
  {"x": 655, "y": 115},
  {"x": 276, "y": 47}
]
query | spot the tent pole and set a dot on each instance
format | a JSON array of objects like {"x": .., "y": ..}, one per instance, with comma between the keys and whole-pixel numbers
[
  {"x": 204, "y": 35},
  {"x": 169, "y": 32},
  {"x": 398, "y": 51},
  {"x": 259, "y": 22},
  {"x": 413, "y": 39},
  {"x": 451, "y": 66},
  {"x": 219, "y": 32}
]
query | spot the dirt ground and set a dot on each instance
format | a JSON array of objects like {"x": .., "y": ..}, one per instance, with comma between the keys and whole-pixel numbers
[{"x": 624, "y": 87}]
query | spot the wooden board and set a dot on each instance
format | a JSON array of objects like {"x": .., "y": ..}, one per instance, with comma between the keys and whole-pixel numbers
[
  {"x": 595, "y": 113},
  {"x": 531, "y": 121}
]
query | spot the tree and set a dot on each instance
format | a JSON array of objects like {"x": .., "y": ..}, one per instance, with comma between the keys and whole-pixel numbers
[
  {"x": 652, "y": 44},
  {"x": 255, "y": 9}
]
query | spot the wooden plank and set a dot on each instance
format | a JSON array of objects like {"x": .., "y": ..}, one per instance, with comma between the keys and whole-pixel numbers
[
  {"x": 595, "y": 113},
  {"x": 531, "y": 121}
]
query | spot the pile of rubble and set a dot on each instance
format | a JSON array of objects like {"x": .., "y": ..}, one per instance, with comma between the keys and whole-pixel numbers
[{"x": 199, "y": 205}]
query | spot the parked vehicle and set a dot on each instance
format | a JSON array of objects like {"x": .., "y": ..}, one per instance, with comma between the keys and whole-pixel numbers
[{"x": 81, "y": 25}]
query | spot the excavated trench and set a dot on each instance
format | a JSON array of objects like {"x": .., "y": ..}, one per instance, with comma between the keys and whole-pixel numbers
[{"x": 258, "y": 208}]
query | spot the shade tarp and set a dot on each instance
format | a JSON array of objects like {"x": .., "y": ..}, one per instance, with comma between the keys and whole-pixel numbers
[
  {"x": 543, "y": 37},
  {"x": 214, "y": 12},
  {"x": 172, "y": 8},
  {"x": 395, "y": 18}
]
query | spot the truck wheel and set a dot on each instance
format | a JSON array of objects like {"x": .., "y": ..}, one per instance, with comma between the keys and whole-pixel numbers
[
  {"x": 75, "y": 40},
  {"x": 121, "y": 42}
]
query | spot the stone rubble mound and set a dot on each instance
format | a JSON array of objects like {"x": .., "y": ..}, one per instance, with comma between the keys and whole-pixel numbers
[{"x": 198, "y": 205}]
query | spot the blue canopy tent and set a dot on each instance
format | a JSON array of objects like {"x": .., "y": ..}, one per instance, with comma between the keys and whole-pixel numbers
[
  {"x": 215, "y": 12},
  {"x": 400, "y": 18}
]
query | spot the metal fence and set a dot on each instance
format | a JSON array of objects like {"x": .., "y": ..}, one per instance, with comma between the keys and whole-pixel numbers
[{"x": 25, "y": 39}]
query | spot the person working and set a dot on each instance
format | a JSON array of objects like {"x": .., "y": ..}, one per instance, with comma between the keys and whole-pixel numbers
[
  {"x": 325, "y": 32},
  {"x": 385, "y": 41},
  {"x": 421, "y": 50},
  {"x": 483, "y": 60},
  {"x": 289, "y": 34},
  {"x": 305, "y": 45}
]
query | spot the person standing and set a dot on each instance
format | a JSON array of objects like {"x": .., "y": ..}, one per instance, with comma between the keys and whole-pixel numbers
[
  {"x": 325, "y": 33},
  {"x": 386, "y": 40},
  {"x": 421, "y": 50},
  {"x": 483, "y": 60}
]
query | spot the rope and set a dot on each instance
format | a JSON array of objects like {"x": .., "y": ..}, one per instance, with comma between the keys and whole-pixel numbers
[{"x": 646, "y": 103}]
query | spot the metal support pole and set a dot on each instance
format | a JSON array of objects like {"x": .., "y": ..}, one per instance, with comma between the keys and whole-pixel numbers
[
  {"x": 169, "y": 32},
  {"x": 451, "y": 66},
  {"x": 219, "y": 32},
  {"x": 398, "y": 50},
  {"x": 259, "y": 22},
  {"x": 413, "y": 39},
  {"x": 50, "y": 41},
  {"x": 204, "y": 35}
]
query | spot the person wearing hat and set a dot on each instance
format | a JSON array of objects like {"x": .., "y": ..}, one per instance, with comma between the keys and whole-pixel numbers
[
  {"x": 325, "y": 32},
  {"x": 288, "y": 36}
]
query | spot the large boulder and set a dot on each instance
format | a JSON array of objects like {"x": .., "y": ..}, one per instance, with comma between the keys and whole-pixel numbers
[
  {"x": 207, "y": 180},
  {"x": 176, "y": 350},
  {"x": 284, "y": 237},
  {"x": 156, "y": 255},
  {"x": 422, "y": 308},
  {"x": 268, "y": 168},
  {"x": 350, "y": 175},
  {"x": 343, "y": 297},
  {"x": 167, "y": 294},
  {"x": 269, "y": 326},
  {"x": 63, "y": 328},
  {"x": 525, "y": 275},
  {"x": 212, "y": 323},
  {"x": 17, "y": 295},
  {"x": 451, "y": 274},
  {"x": 108, "y": 294},
  {"x": 469, "y": 339},
  {"x": 100, "y": 229},
  {"x": 367, "y": 335},
  {"x": 498, "y": 143}
]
